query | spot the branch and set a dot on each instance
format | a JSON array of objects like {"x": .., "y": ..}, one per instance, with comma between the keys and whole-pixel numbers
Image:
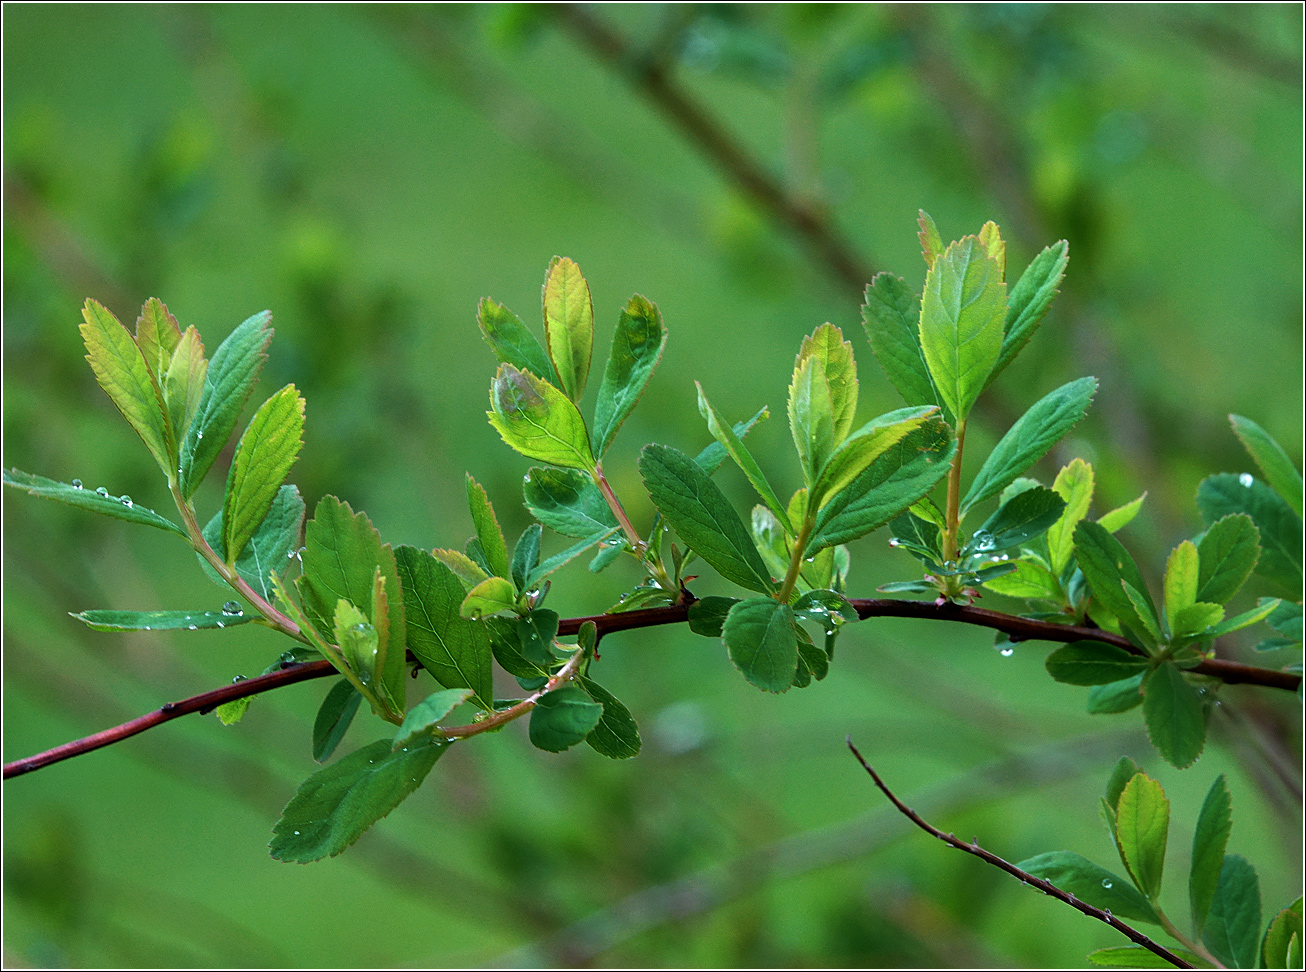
[
  {"x": 1020, "y": 629},
  {"x": 1135, "y": 936}
]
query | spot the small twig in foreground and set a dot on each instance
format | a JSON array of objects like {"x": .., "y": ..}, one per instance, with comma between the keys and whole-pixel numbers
[{"x": 1135, "y": 936}]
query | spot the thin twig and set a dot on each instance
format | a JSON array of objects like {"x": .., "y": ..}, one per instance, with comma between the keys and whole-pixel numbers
[
  {"x": 1133, "y": 934},
  {"x": 1023, "y": 629}
]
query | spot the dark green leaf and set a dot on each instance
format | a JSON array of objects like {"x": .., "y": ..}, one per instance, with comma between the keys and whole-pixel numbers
[
  {"x": 271, "y": 548},
  {"x": 536, "y": 633},
  {"x": 909, "y": 587},
  {"x": 1233, "y": 925},
  {"x": 333, "y": 719},
  {"x": 525, "y": 555},
  {"x": 1227, "y": 554},
  {"x": 1020, "y": 519},
  {"x": 814, "y": 661},
  {"x": 1106, "y": 564},
  {"x": 89, "y": 499},
  {"x": 824, "y": 606},
  {"x": 759, "y": 633},
  {"x": 1285, "y": 619},
  {"x": 1029, "y": 301},
  {"x": 1283, "y": 937},
  {"x": 891, "y": 316},
  {"x": 1092, "y": 884},
  {"x": 267, "y": 450},
  {"x": 1124, "y": 771},
  {"x": 1142, "y": 827},
  {"x": 337, "y": 803},
  {"x": 230, "y": 378},
  {"x": 920, "y": 538},
  {"x": 708, "y": 614},
  {"x": 538, "y": 420},
  {"x": 1093, "y": 663},
  {"x": 1034, "y": 433},
  {"x": 567, "y": 501},
  {"x": 608, "y": 553},
  {"x": 1209, "y": 840},
  {"x": 506, "y": 645},
  {"x": 702, "y": 516},
  {"x": 422, "y": 718},
  {"x": 637, "y": 347},
  {"x": 1280, "y": 528},
  {"x": 563, "y": 718},
  {"x": 512, "y": 342},
  {"x": 164, "y": 620},
  {"x": 1116, "y": 697},
  {"x": 1175, "y": 716},
  {"x": 616, "y": 736},
  {"x": 1274, "y": 463}
]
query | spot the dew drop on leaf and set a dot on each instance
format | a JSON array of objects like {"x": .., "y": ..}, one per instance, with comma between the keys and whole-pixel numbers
[
  {"x": 101, "y": 491},
  {"x": 125, "y": 500},
  {"x": 231, "y": 609},
  {"x": 1246, "y": 479},
  {"x": 77, "y": 484},
  {"x": 1007, "y": 652},
  {"x": 191, "y": 627},
  {"x": 1106, "y": 883}
]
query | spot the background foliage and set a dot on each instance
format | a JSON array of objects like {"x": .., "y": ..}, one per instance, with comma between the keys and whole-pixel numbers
[{"x": 369, "y": 176}]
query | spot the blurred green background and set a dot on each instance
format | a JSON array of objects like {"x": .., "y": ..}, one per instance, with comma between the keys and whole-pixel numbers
[{"x": 369, "y": 174}]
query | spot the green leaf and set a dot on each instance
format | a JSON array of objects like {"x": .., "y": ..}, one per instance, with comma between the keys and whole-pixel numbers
[
  {"x": 1280, "y": 528},
  {"x": 1181, "y": 571},
  {"x": 122, "y": 372},
  {"x": 1029, "y": 302},
  {"x": 266, "y": 452},
  {"x": 990, "y": 237},
  {"x": 269, "y": 551},
  {"x": 1093, "y": 663},
  {"x": 536, "y": 633},
  {"x": 1074, "y": 484},
  {"x": 512, "y": 342},
  {"x": 1020, "y": 519},
  {"x": 1092, "y": 884},
  {"x": 931, "y": 241},
  {"x": 1228, "y": 552},
  {"x": 759, "y": 633},
  {"x": 1034, "y": 433},
  {"x": 164, "y": 620},
  {"x": 962, "y": 312},
  {"x": 359, "y": 642},
  {"x": 1137, "y": 957},
  {"x": 454, "y": 650},
  {"x": 419, "y": 725},
  {"x": 1233, "y": 925},
  {"x": 468, "y": 572},
  {"x": 334, "y": 718},
  {"x": 737, "y": 451},
  {"x": 707, "y": 615},
  {"x": 74, "y": 494},
  {"x": 227, "y": 385},
  {"x": 488, "y": 531},
  {"x": 562, "y": 718},
  {"x": 714, "y": 453},
  {"x": 1285, "y": 619},
  {"x": 1116, "y": 697},
  {"x": 1200, "y": 616},
  {"x": 836, "y": 356},
  {"x": 1119, "y": 518},
  {"x": 537, "y": 420},
  {"x": 559, "y": 560},
  {"x": 1283, "y": 937},
  {"x": 825, "y": 606},
  {"x": 1030, "y": 579},
  {"x": 508, "y": 651},
  {"x": 1106, "y": 564},
  {"x": 891, "y": 316},
  {"x": 905, "y": 473},
  {"x": 637, "y": 347},
  {"x": 525, "y": 555},
  {"x": 492, "y": 595},
  {"x": 1274, "y": 463},
  {"x": 337, "y": 803},
  {"x": 229, "y": 713},
  {"x": 1124, "y": 771},
  {"x": 1142, "y": 827},
  {"x": 1214, "y": 823},
  {"x": 702, "y": 516},
  {"x": 567, "y": 501},
  {"x": 1142, "y": 604},
  {"x": 921, "y": 538},
  {"x": 568, "y": 325},
  {"x": 866, "y": 445},
  {"x": 811, "y": 416},
  {"x": 616, "y": 736},
  {"x": 157, "y": 335},
  {"x": 183, "y": 381},
  {"x": 1174, "y": 715}
]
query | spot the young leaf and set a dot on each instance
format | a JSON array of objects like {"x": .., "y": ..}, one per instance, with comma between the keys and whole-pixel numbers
[
  {"x": 269, "y": 551},
  {"x": 1200, "y": 616},
  {"x": 1029, "y": 302},
  {"x": 1214, "y": 823},
  {"x": 759, "y": 633},
  {"x": 422, "y": 718},
  {"x": 962, "y": 312},
  {"x": 1029, "y": 580},
  {"x": 1138, "y": 957},
  {"x": 735, "y": 448},
  {"x": 333, "y": 719},
  {"x": 1244, "y": 620},
  {"x": 1093, "y": 663},
  {"x": 359, "y": 643},
  {"x": 567, "y": 502},
  {"x": 512, "y": 342},
  {"x": 891, "y": 316},
  {"x": 836, "y": 355},
  {"x": 1119, "y": 518},
  {"x": 1074, "y": 484},
  {"x": 1281, "y": 948},
  {"x": 559, "y": 560},
  {"x": 228, "y": 383},
  {"x": 1034, "y": 433},
  {"x": 488, "y": 532},
  {"x": 811, "y": 416},
  {"x": 183, "y": 381},
  {"x": 1106, "y": 564},
  {"x": 264, "y": 456},
  {"x": 467, "y": 571},
  {"x": 702, "y": 516},
  {"x": 616, "y": 736},
  {"x": 537, "y": 420},
  {"x": 454, "y": 650},
  {"x": 990, "y": 237},
  {"x": 1020, "y": 519},
  {"x": 1274, "y": 463},
  {"x": 637, "y": 348},
  {"x": 1142, "y": 826},
  {"x": 1233, "y": 925},
  {"x": 1174, "y": 715},
  {"x": 157, "y": 335},
  {"x": 1095, "y": 885},
  {"x": 164, "y": 620},
  {"x": 491, "y": 596},
  {"x": 568, "y": 325},
  {"x": 97, "y": 501},
  {"x": 1228, "y": 552},
  {"x": 337, "y": 803},
  {"x": 931, "y": 241},
  {"x": 866, "y": 445},
  {"x": 1181, "y": 572},
  {"x": 1280, "y": 528},
  {"x": 563, "y": 718}
]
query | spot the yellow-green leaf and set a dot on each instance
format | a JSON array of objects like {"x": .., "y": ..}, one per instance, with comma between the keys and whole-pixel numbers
[
  {"x": 870, "y": 442},
  {"x": 1074, "y": 484},
  {"x": 836, "y": 355},
  {"x": 569, "y": 325},
  {"x": 931, "y": 241},
  {"x": 538, "y": 420},
  {"x": 183, "y": 382},
  {"x": 811, "y": 416},
  {"x": 990, "y": 236},
  {"x": 1142, "y": 825},
  {"x": 157, "y": 335},
  {"x": 1180, "y": 581},
  {"x": 492, "y": 595},
  {"x": 264, "y": 456}
]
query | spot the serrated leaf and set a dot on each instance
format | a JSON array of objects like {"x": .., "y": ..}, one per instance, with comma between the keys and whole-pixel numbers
[
  {"x": 333, "y": 719},
  {"x": 492, "y": 544},
  {"x": 109, "y": 620},
  {"x": 962, "y": 313},
  {"x": 157, "y": 335},
  {"x": 811, "y": 416},
  {"x": 1198, "y": 617},
  {"x": 359, "y": 642},
  {"x": 468, "y": 572},
  {"x": 759, "y": 634},
  {"x": 1141, "y": 602},
  {"x": 836, "y": 355},
  {"x": 866, "y": 445},
  {"x": 421, "y": 720},
  {"x": 230, "y": 713},
  {"x": 707, "y": 615},
  {"x": 568, "y": 325},
  {"x": 616, "y": 736},
  {"x": 1174, "y": 716},
  {"x": 491, "y": 596},
  {"x": 931, "y": 241},
  {"x": 338, "y": 803},
  {"x": 1030, "y": 299},
  {"x": 267, "y": 450},
  {"x": 1119, "y": 518},
  {"x": 122, "y": 372},
  {"x": 269, "y": 550},
  {"x": 231, "y": 375},
  {"x": 1116, "y": 697},
  {"x": 567, "y": 502},
  {"x": 1090, "y": 883},
  {"x": 1028, "y": 580},
  {"x": 1142, "y": 827},
  {"x": 563, "y": 557},
  {"x": 454, "y": 650},
  {"x": 1181, "y": 571},
  {"x": 1280, "y": 528},
  {"x": 1228, "y": 552},
  {"x": 1034, "y": 433},
  {"x": 1214, "y": 823},
  {"x": 1074, "y": 484},
  {"x": 538, "y": 420},
  {"x": 183, "y": 381},
  {"x": 1273, "y": 462},
  {"x": 1093, "y": 663},
  {"x": 512, "y": 342},
  {"x": 891, "y": 317},
  {"x": 1138, "y": 957},
  {"x": 735, "y": 448},
  {"x": 990, "y": 237},
  {"x": 702, "y": 516},
  {"x": 89, "y": 499},
  {"x": 562, "y": 718},
  {"x": 1283, "y": 938},
  {"x": 1233, "y": 925},
  {"x": 1020, "y": 519},
  {"x": 1105, "y": 564},
  {"x": 637, "y": 347}
]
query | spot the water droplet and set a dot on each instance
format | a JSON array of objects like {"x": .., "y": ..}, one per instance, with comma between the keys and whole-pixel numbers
[
  {"x": 125, "y": 500},
  {"x": 77, "y": 484},
  {"x": 894, "y": 542},
  {"x": 237, "y": 678},
  {"x": 101, "y": 491},
  {"x": 200, "y": 435},
  {"x": 231, "y": 609},
  {"x": 296, "y": 832},
  {"x": 1245, "y": 479},
  {"x": 526, "y": 478},
  {"x": 147, "y": 628},
  {"x": 191, "y": 627},
  {"x": 1007, "y": 652},
  {"x": 221, "y": 624},
  {"x": 1106, "y": 883}
]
